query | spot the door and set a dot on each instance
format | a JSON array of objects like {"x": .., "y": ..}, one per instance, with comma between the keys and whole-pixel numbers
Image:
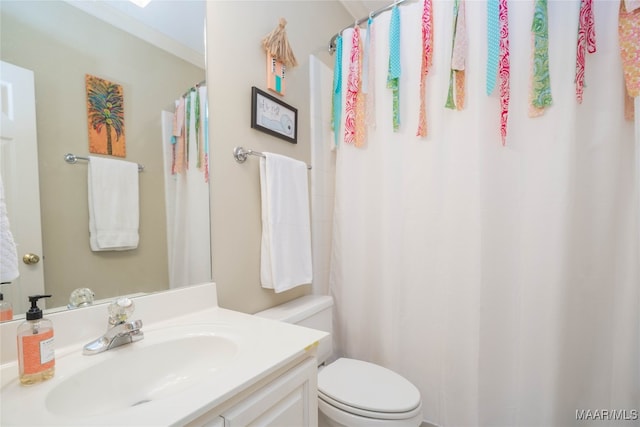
[{"x": 19, "y": 169}]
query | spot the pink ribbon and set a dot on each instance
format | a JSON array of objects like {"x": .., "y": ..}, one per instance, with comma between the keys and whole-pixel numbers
[
  {"x": 353, "y": 87},
  {"x": 586, "y": 42},
  {"x": 427, "y": 57}
]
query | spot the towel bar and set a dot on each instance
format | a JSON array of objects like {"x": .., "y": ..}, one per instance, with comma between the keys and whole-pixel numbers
[
  {"x": 72, "y": 158},
  {"x": 241, "y": 154}
]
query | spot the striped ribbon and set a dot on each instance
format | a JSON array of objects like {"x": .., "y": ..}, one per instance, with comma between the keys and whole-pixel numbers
[
  {"x": 427, "y": 58},
  {"x": 586, "y": 43}
]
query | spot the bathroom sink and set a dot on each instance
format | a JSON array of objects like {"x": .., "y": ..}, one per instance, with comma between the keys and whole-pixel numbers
[{"x": 166, "y": 362}]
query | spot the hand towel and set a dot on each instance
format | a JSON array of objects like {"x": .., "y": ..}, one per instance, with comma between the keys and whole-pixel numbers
[
  {"x": 113, "y": 204},
  {"x": 285, "y": 260},
  {"x": 8, "y": 254}
]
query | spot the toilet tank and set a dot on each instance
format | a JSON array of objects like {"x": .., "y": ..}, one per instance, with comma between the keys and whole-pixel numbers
[{"x": 311, "y": 311}]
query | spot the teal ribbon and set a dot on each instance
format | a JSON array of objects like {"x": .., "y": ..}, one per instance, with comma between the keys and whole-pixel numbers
[
  {"x": 493, "y": 43},
  {"x": 197, "y": 112},
  {"x": 393, "y": 76},
  {"x": 336, "y": 96},
  {"x": 187, "y": 127},
  {"x": 541, "y": 85}
]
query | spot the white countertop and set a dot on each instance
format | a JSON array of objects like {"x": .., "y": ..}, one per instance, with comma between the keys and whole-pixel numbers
[{"x": 264, "y": 346}]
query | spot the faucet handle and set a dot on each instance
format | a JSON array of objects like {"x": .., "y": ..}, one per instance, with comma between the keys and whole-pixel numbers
[{"x": 120, "y": 310}]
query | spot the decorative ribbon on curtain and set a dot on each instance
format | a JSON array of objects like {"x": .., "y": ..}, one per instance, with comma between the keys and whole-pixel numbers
[
  {"x": 178, "y": 138},
  {"x": 458, "y": 56},
  {"x": 427, "y": 58},
  {"x": 336, "y": 95},
  {"x": 361, "y": 103},
  {"x": 197, "y": 130},
  {"x": 586, "y": 43},
  {"x": 493, "y": 43},
  {"x": 498, "y": 57},
  {"x": 369, "y": 76},
  {"x": 205, "y": 135},
  {"x": 353, "y": 89},
  {"x": 504, "y": 69},
  {"x": 628, "y": 35},
  {"x": 393, "y": 76},
  {"x": 187, "y": 127},
  {"x": 540, "y": 95}
]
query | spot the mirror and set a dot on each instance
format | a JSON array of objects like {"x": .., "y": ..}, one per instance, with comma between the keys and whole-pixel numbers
[{"x": 61, "y": 42}]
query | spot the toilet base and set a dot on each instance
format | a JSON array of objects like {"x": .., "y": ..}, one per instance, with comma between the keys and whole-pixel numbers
[{"x": 330, "y": 416}]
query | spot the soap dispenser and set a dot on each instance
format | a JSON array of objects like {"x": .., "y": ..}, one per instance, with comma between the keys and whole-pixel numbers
[
  {"x": 36, "y": 357},
  {"x": 6, "y": 309}
]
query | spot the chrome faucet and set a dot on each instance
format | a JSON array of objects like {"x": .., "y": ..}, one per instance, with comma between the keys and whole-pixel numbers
[{"x": 120, "y": 331}]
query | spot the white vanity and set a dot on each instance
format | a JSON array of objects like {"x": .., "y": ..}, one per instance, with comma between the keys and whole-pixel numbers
[{"x": 198, "y": 365}]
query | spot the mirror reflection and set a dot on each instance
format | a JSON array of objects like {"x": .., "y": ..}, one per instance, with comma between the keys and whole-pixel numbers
[{"x": 55, "y": 44}]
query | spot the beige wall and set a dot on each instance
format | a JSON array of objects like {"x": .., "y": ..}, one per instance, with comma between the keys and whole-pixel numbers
[
  {"x": 235, "y": 62},
  {"x": 61, "y": 44}
]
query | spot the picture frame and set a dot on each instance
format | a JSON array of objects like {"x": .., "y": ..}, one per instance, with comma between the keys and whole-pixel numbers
[{"x": 274, "y": 117}]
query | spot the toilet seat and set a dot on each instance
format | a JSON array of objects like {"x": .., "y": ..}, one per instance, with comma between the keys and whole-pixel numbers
[{"x": 368, "y": 390}]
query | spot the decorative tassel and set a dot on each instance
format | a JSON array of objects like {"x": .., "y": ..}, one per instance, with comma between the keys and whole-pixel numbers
[{"x": 277, "y": 45}]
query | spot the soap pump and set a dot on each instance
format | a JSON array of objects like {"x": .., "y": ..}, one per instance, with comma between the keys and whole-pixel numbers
[
  {"x": 6, "y": 309},
  {"x": 36, "y": 356}
]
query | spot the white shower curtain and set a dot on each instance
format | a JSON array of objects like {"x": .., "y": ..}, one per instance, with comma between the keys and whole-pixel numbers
[
  {"x": 502, "y": 281},
  {"x": 187, "y": 204}
]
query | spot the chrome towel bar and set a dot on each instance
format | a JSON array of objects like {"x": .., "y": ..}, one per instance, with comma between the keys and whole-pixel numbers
[
  {"x": 72, "y": 158},
  {"x": 241, "y": 154}
]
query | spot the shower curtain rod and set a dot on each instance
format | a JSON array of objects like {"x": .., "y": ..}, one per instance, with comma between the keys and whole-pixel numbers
[
  {"x": 332, "y": 42},
  {"x": 195, "y": 86}
]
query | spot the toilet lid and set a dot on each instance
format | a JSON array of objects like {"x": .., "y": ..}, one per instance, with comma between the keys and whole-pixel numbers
[{"x": 368, "y": 387}]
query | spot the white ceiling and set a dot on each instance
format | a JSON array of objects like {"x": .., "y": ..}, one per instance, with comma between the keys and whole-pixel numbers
[
  {"x": 178, "y": 26},
  {"x": 181, "y": 20},
  {"x": 361, "y": 8},
  {"x": 173, "y": 25}
]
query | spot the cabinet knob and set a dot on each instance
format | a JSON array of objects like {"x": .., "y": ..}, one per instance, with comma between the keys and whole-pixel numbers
[{"x": 30, "y": 259}]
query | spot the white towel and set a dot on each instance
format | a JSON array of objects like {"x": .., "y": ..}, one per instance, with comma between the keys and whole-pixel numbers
[
  {"x": 8, "y": 254},
  {"x": 286, "y": 232},
  {"x": 113, "y": 204}
]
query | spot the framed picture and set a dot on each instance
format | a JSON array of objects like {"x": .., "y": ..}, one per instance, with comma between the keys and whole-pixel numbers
[
  {"x": 105, "y": 117},
  {"x": 272, "y": 116}
]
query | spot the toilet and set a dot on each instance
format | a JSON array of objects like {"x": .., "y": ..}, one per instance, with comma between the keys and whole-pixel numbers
[{"x": 351, "y": 393}]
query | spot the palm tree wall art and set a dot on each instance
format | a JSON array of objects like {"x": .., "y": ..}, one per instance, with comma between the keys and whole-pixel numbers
[{"x": 105, "y": 117}]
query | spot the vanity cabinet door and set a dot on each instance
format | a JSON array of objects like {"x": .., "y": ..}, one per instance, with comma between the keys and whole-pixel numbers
[{"x": 289, "y": 400}]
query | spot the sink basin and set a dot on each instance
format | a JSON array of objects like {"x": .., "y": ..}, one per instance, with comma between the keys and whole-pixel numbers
[{"x": 164, "y": 363}]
